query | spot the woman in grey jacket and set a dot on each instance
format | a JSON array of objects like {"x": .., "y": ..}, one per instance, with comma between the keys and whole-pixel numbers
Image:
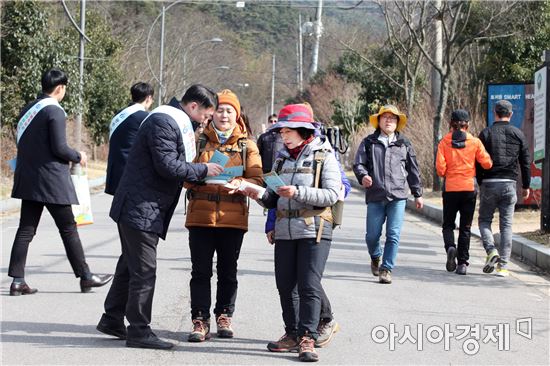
[{"x": 303, "y": 230}]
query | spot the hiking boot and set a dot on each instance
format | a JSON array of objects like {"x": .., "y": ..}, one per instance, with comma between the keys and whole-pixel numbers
[
  {"x": 461, "y": 269},
  {"x": 451, "y": 259},
  {"x": 200, "y": 332},
  {"x": 385, "y": 276},
  {"x": 307, "y": 350},
  {"x": 502, "y": 271},
  {"x": 375, "y": 266},
  {"x": 326, "y": 330},
  {"x": 224, "y": 326},
  {"x": 287, "y": 343},
  {"x": 490, "y": 261}
]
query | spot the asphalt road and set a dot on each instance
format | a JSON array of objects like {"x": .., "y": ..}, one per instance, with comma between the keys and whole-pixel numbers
[{"x": 455, "y": 315}]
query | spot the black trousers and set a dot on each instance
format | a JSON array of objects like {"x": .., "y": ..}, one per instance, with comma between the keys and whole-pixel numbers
[
  {"x": 31, "y": 212},
  {"x": 326, "y": 308},
  {"x": 203, "y": 242},
  {"x": 133, "y": 287},
  {"x": 300, "y": 263},
  {"x": 465, "y": 203}
]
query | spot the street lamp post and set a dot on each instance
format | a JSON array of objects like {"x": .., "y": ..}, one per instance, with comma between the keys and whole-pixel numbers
[{"x": 189, "y": 48}]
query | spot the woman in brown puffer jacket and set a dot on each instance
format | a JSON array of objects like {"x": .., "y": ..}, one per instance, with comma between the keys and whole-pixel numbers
[{"x": 217, "y": 218}]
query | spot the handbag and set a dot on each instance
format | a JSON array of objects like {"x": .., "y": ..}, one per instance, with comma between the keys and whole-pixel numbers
[{"x": 83, "y": 211}]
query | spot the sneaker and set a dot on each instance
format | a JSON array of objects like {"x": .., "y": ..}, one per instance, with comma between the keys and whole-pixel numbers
[
  {"x": 287, "y": 343},
  {"x": 502, "y": 271},
  {"x": 224, "y": 326},
  {"x": 200, "y": 332},
  {"x": 461, "y": 269},
  {"x": 307, "y": 350},
  {"x": 375, "y": 266},
  {"x": 451, "y": 259},
  {"x": 326, "y": 330},
  {"x": 490, "y": 261},
  {"x": 385, "y": 276}
]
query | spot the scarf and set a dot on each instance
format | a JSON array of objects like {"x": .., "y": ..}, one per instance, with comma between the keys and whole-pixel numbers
[
  {"x": 223, "y": 135},
  {"x": 294, "y": 152}
]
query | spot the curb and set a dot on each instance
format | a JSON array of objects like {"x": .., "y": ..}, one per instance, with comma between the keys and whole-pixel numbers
[
  {"x": 534, "y": 253},
  {"x": 11, "y": 204}
]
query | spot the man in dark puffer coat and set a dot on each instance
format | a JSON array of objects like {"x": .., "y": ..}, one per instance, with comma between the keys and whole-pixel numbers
[{"x": 143, "y": 205}]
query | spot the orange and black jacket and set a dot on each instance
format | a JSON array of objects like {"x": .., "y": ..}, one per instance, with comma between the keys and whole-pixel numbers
[{"x": 457, "y": 154}]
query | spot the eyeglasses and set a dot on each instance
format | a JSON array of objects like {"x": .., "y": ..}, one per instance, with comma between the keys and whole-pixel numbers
[
  {"x": 272, "y": 121},
  {"x": 390, "y": 118}
]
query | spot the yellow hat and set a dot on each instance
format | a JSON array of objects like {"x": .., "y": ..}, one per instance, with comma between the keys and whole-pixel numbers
[
  {"x": 373, "y": 119},
  {"x": 226, "y": 96}
]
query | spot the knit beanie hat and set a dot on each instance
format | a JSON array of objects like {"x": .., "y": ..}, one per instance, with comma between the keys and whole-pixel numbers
[{"x": 226, "y": 96}]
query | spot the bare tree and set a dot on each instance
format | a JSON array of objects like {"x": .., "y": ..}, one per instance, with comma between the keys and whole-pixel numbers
[
  {"x": 402, "y": 46},
  {"x": 460, "y": 29}
]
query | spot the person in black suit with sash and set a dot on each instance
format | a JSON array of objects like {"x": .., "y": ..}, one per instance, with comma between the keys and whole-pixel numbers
[
  {"x": 143, "y": 205},
  {"x": 123, "y": 130},
  {"x": 42, "y": 179}
]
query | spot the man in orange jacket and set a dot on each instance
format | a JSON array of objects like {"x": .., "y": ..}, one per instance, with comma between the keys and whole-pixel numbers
[{"x": 457, "y": 154}]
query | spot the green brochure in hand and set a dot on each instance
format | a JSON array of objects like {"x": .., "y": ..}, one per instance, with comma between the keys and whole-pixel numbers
[
  {"x": 219, "y": 158},
  {"x": 273, "y": 181},
  {"x": 227, "y": 174}
]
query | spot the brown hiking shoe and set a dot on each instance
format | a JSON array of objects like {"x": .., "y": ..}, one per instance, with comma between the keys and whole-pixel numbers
[
  {"x": 287, "y": 343},
  {"x": 385, "y": 276},
  {"x": 307, "y": 350},
  {"x": 224, "y": 326},
  {"x": 200, "y": 332},
  {"x": 326, "y": 331},
  {"x": 375, "y": 266}
]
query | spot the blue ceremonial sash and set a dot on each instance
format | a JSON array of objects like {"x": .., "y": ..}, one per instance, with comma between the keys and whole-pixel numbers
[
  {"x": 185, "y": 126},
  {"x": 121, "y": 117},
  {"x": 28, "y": 117}
]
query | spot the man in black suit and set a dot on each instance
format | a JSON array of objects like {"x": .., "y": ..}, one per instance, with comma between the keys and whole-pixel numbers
[
  {"x": 123, "y": 130},
  {"x": 143, "y": 205},
  {"x": 42, "y": 179}
]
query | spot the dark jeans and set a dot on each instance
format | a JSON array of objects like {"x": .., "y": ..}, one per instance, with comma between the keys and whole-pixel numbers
[
  {"x": 133, "y": 287},
  {"x": 31, "y": 211},
  {"x": 203, "y": 242},
  {"x": 465, "y": 203},
  {"x": 300, "y": 263}
]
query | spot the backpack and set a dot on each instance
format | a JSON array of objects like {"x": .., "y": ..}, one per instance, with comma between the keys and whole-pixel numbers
[
  {"x": 242, "y": 143},
  {"x": 318, "y": 160}
]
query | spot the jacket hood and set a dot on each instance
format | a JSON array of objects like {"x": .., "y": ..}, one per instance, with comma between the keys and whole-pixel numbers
[
  {"x": 239, "y": 132},
  {"x": 450, "y": 136}
]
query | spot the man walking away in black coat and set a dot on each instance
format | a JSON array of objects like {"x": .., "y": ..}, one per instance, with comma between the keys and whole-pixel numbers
[
  {"x": 42, "y": 179},
  {"x": 149, "y": 190},
  {"x": 123, "y": 130}
]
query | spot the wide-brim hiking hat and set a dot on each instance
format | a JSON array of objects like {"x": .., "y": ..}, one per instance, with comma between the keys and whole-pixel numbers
[
  {"x": 295, "y": 116},
  {"x": 373, "y": 119}
]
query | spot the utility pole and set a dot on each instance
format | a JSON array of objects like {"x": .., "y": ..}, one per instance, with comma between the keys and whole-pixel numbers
[
  {"x": 300, "y": 56},
  {"x": 542, "y": 136},
  {"x": 161, "y": 86},
  {"x": 273, "y": 85},
  {"x": 78, "y": 122},
  {"x": 318, "y": 30}
]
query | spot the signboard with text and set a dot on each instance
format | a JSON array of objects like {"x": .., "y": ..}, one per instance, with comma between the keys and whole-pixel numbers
[
  {"x": 539, "y": 126},
  {"x": 522, "y": 98}
]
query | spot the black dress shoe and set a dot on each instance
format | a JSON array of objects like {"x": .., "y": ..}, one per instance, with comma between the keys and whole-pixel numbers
[
  {"x": 150, "y": 341},
  {"x": 94, "y": 281},
  {"x": 17, "y": 289},
  {"x": 111, "y": 328}
]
